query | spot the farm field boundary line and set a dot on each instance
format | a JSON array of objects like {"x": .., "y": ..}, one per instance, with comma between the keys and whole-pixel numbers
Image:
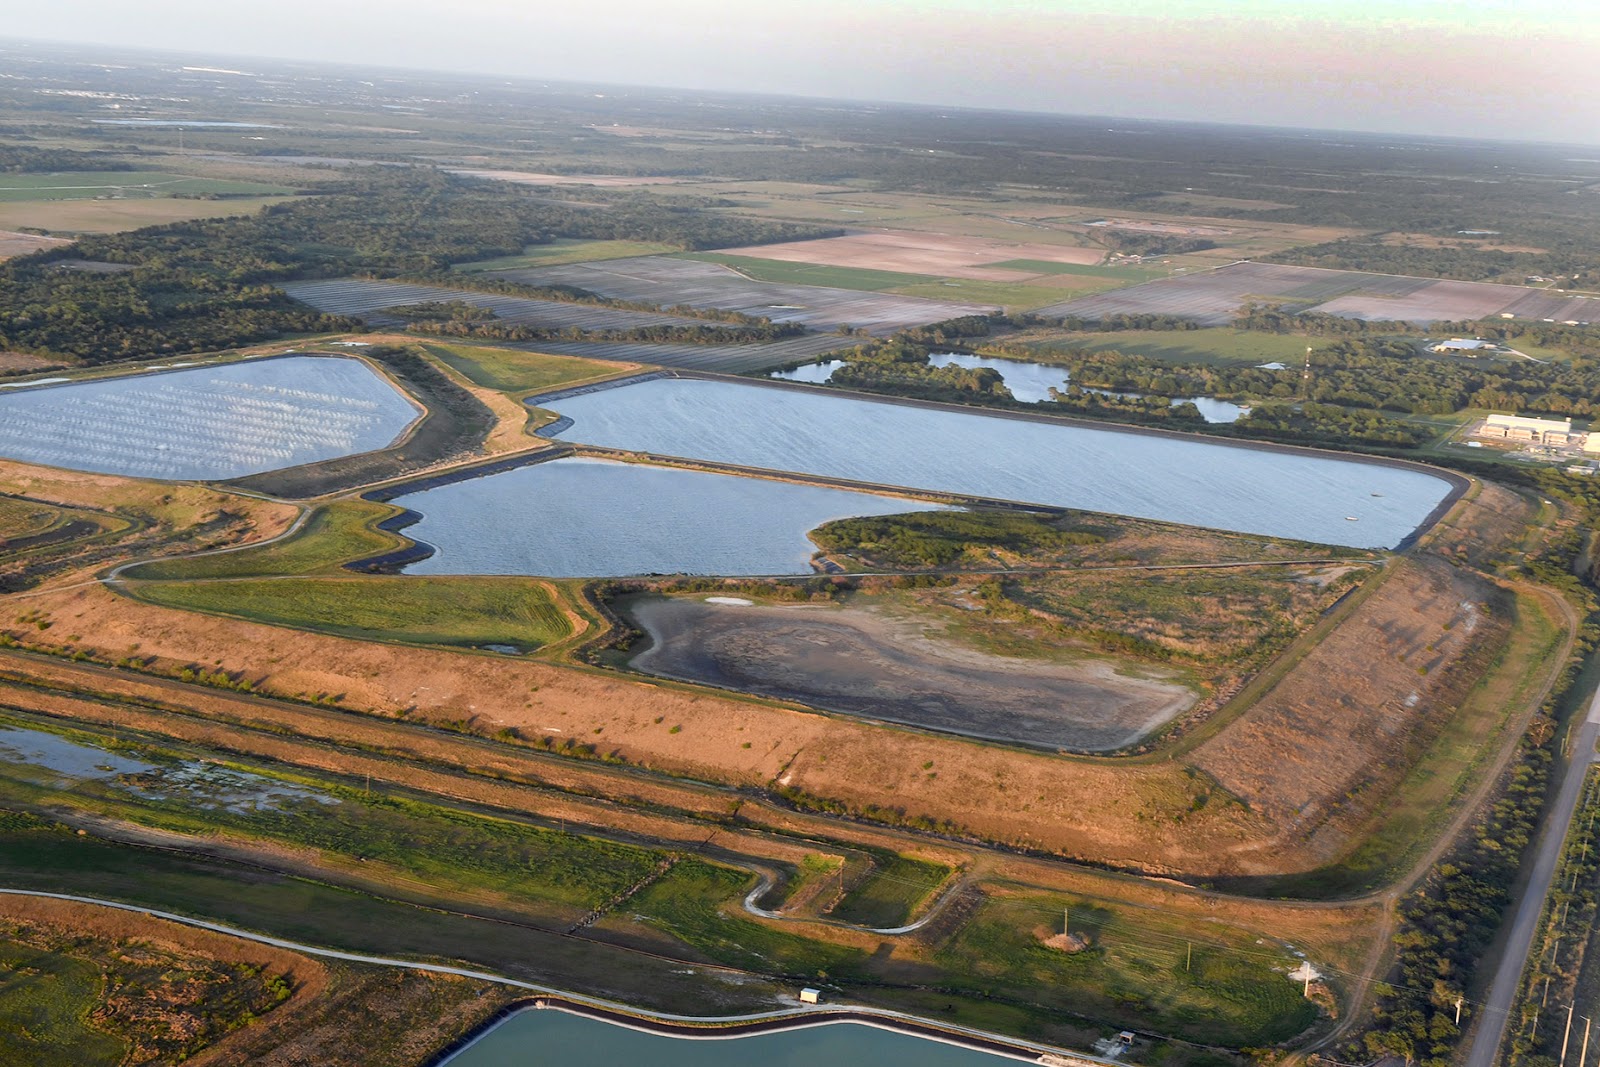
[{"x": 678, "y": 1025}]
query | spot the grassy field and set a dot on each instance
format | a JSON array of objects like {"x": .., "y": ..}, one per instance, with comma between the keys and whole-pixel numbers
[
  {"x": 1048, "y": 266},
  {"x": 513, "y": 371},
  {"x": 1142, "y": 973},
  {"x": 124, "y": 184},
  {"x": 1221, "y": 344},
  {"x": 892, "y": 893},
  {"x": 68, "y": 217},
  {"x": 335, "y": 533},
  {"x": 773, "y": 270},
  {"x": 437, "y": 611},
  {"x": 566, "y": 250},
  {"x": 45, "y": 1001},
  {"x": 1010, "y": 295},
  {"x": 23, "y": 518},
  {"x": 43, "y": 855},
  {"x": 687, "y": 904}
]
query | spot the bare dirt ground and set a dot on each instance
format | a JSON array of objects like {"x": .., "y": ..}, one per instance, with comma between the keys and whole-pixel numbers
[
  {"x": 1331, "y": 725},
  {"x": 946, "y": 255},
  {"x": 23, "y": 362},
  {"x": 20, "y": 244},
  {"x": 863, "y": 662}
]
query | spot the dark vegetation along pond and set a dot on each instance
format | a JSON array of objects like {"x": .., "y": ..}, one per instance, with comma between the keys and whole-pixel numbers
[
  {"x": 1281, "y": 493},
  {"x": 862, "y": 662}
]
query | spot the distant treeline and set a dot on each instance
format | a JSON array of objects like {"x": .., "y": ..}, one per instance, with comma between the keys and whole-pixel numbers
[
  {"x": 1470, "y": 264},
  {"x": 26, "y": 159},
  {"x": 207, "y": 284},
  {"x": 1387, "y": 374}
]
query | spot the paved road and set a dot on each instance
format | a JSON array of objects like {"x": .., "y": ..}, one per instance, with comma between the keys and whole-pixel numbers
[{"x": 1496, "y": 1009}]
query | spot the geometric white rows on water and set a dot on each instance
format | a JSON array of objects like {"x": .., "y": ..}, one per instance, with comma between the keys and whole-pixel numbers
[{"x": 219, "y": 422}]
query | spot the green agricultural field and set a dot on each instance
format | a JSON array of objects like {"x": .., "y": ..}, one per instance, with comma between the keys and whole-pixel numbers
[
  {"x": 1048, "y": 266},
  {"x": 513, "y": 371},
  {"x": 893, "y": 893},
  {"x": 1013, "y": 296},
  {"x": 436, "y": 611},
  {"x": 1220, "y": 344},
  {"x": 1141, "y": 974},
  {"x": 45, "y": 1001},
  {"x": 566, "y": 250},
  {"x": 124, "y": 184},
  {"x": 773, "y": 270}
]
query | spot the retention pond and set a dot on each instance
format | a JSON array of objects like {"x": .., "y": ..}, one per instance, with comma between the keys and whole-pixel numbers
[
  {"x": 207, "y": 423},
  {"x": 1289, "y": 493},
  {"x": 557, "y": 1039},
  {"x": 588, "y": 518}
]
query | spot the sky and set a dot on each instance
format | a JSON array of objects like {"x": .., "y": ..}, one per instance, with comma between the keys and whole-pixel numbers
[{"x": 1524, "y": 70}]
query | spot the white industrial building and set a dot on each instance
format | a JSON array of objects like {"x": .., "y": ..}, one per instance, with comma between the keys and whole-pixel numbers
[{"x": 1535, "y": 431}]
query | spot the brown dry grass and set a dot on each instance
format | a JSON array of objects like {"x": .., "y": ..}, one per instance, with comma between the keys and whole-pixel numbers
[
  {"x": 1336, "y": 722},
  {"x": 20, "y": 244}
]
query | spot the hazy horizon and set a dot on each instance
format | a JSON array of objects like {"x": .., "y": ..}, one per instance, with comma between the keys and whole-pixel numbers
[{"x": 1484, "y": 69}]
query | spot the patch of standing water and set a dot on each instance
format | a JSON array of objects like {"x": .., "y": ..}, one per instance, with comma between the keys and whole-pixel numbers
[
  {"x": 815, "y": 373},
  {"x": 1031, "y": 383},
  {"x": 67, "y": 758},
  {"x": 202, "y": 784},
  {"x": 207, "y": 422},
  {"x": 537, "y": 1038},
  {"x": 1282, "y": 493},
  {"x": 588, "y": 518}
]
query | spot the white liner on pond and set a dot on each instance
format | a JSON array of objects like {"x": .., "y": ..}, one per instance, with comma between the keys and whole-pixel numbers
[
  {"x": 585, "y": 518},
  {"x": 1296, "y": 494},
  {"x": 207, "y": 422}
]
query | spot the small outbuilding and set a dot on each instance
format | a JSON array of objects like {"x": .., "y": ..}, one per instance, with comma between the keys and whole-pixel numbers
[{"x": 810, "y": 996}]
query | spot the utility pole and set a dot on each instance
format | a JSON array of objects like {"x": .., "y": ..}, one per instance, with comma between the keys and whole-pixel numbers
[
  {"x": 1584, "y": 1055},
  {"x": 1066, "y": 921},
  {"x": 1458, "y": 1011},
  {"x": 1566, "y": 1037},
  {"x": 1188, "y": 957}
]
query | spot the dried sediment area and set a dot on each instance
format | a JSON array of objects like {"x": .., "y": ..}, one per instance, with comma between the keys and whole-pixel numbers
[{"x": 863, "y": 662}]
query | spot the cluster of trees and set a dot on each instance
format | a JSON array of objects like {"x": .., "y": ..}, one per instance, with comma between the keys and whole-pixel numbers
[
  {"x": 1372, "y": 373},
  {"x": 1125, "y": 407},
  {"x": 904, "y": 378},
  {"x": 1469, "y": 264},
  {"x": 939, "y": 538},
  {"x": 442, "y": 311},
  {"x": 207, "y": 284},
  {"x": 1135, "y": 243},
  {"x": 1327, "y": 422},
  {"x": 27, "y": 159}
]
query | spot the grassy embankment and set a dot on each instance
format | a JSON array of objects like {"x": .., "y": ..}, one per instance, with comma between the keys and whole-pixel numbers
[
  {"x": 298, "y": 582},
  {"x": 518, "y": 373},
  {"x": 372, "y": 853}
]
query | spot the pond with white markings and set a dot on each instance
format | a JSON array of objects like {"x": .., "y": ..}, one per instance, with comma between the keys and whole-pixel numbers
[
  {"x": 207, "y": 423},
  {"x": 1291, "y": 493}
]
